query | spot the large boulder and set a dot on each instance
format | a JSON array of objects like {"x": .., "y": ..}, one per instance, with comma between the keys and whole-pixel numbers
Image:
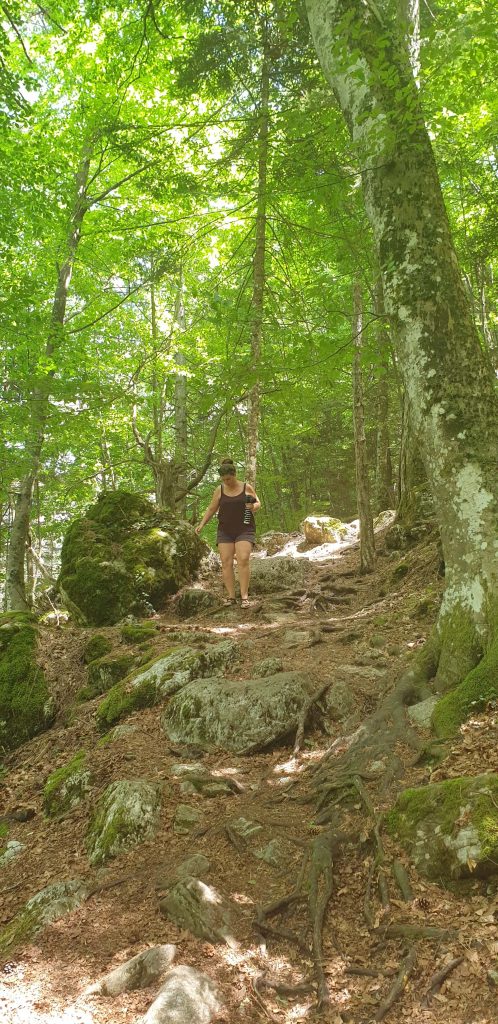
[
  {"x": 193, "y": 904},
  {"x": 67, "y": 786},
  {"x": 26, "y": 707},
  {"x": 450, "y": 828},
  {"x": 186, "y": 997},
  {"x": 46, "y": 906},
  {"x": 127, "y": 814},
  {"x": 126, "y": 555},
  {"x": 237, "y": 715},
  {"x": 270, "y": 575},
  {"x": 163, "y": 676},
  {"x": 324, "y": 530}
]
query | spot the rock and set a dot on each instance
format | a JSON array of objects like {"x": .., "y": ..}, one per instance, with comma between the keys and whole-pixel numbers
[
  {"x": 11, "y": 850},
  {"x": 298, "y": 638},
  {"x": 273, "y": 541},
  {"x": 197, "y": 779},
  {"x": 239, "y": 716},
  {"x": 126, "y": 555},
  {"x": 126, "y": 814},
  {"x": 162, "y": 677},
  {"x": 120, "y": 732},
  {"x": 243, "y": 828},
  {"x": 269, "y": 575},
  {"x": 186, "y": 997},
  {"x": 323, "y": 530},
  {"x": 195, "y": 905},
  {"x": 197, "y": 865},
  {"x": 360, "y": 671},
  {"x": 268, "y": 667},
  {"x": 67, "y": 786},
  {"x": 26, "y": 706},
  {"x": 138, "y": 633},
  {"x": 97, "y": 647},
  {"x": 194, "y": 601},
  {"x": 278, "y": 853},
  {"x": 105, "y": 672},
  {"x": 421, "y": 714},
  {"x": 493, "y": 976},
  {"x": 338, "y": 701},
  {"x": 384, "y": 519},
  {"x": 450, "y": 828},
  {"x": 186, "y": 819},
  {"x": 47, "y": 906},
  {"x": 139, "y": 972}
]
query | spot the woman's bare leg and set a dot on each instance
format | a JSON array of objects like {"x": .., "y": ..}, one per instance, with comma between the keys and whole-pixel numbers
[
  {"x": 227, "y": 552},
  {"x": 243, "y": 550}
]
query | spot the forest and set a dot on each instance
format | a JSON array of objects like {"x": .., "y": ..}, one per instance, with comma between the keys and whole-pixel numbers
[{"x": 262, "y": 231}]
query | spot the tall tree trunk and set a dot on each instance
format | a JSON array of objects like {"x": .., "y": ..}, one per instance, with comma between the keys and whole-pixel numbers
[
  {"x": 447, "y": 377},
  {"x": 367, "y": 543},
  {"x": 384, "y": 490},
  {"x": 258, "y": 274},
  {"x": 181, "y": 424},
  {"x": 39, "y": 401}
]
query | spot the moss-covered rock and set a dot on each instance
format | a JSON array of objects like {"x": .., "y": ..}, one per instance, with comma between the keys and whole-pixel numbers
[
  {"x": 67, "y": 786},
  {"x": 194, "y": 601},
  {"x": 239, "y": 715},
  {"x": 126, "y": 555},
  {"x": 323, "y": 529},
  {"x": 104, "y": 673},
  {"x": 269, "y": 575},
  {"x": 26, "y": 707},
  {"x": 450, "y": 829},
  {"x": 470, "y": 697},
  {"x": 47, "y": 906},
  {"x": 97, "y": 647},
  {"x": 126, "y": 814},
  {"x": 138, "y": 634},
  {"x": 162, "y": 677}
]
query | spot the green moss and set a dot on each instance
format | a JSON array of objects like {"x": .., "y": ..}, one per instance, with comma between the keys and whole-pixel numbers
[
  {"x": 104, "y": 673},
  {"x": 460, "y": 646},
  {"x": 97, "y": 647},
  {"x": 138, "y": 634},
  {"x": 470, "y": 697},
  {"x": 25, "y": 704},
  {"x": 123, "y": 699},
  {"x": 126, "y": 814},
  {"x": 400, "y": 571},
  {"x": 66, "y": 786}
]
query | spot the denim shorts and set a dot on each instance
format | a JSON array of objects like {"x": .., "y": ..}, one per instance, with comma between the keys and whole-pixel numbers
[{"x": 225, "y": 538}]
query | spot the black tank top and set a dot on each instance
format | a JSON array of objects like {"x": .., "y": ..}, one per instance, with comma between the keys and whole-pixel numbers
[{"x": 231, "y": 514}]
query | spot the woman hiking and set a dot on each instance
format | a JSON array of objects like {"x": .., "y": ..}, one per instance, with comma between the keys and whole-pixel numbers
[{"x": 235, "y": 502}]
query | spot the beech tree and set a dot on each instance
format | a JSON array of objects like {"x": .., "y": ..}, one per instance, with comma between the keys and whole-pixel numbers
[{"x": 447, "y": 376}]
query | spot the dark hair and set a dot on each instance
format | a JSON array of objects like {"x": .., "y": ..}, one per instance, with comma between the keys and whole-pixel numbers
[{"x": 227, "y": 466}]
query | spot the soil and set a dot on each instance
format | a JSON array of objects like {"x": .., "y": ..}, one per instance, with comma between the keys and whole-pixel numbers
[{"x": 375, "y": 622}]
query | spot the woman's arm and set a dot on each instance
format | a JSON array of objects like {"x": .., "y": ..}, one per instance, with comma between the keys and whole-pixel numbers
[
  {"x": 257, "y": 503},
  {"x": 211, "y": 510}
]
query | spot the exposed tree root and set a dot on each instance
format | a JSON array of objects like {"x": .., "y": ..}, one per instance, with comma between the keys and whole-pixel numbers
[
  {"x": 399, "y": 984},
  {"x": 438, "y": 979},
  {"x": 305, "y": 713}
]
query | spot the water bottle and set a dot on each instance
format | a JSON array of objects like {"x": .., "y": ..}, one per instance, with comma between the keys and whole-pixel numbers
[{"x": 251, "y": 500}]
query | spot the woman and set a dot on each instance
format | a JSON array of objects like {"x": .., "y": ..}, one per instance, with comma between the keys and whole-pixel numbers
[{"x": 236, "y": 528}]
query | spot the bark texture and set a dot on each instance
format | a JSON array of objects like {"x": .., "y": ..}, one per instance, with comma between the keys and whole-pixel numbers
[
  {"x": 447, "y": 377},
  {"x": 367, "y": 543}
]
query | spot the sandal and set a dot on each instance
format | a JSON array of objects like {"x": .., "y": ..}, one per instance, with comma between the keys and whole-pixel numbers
[
  {"x": 245, "y": 602},
  {"x": 229, "y": 602}
]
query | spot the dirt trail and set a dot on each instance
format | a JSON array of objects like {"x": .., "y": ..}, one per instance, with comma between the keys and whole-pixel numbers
[{"x": 361, "y": 629}]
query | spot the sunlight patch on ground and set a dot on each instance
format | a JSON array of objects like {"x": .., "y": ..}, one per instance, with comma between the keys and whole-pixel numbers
[{"x": 26, "y": 1006}]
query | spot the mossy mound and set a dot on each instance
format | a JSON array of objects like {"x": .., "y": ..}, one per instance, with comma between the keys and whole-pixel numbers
[
  {"x": 162, "y": 677},
  {"x": 450, "y": 829},
  {"x": 26, "y": 707},
  {"x": 470, "y": 697},
  {"x": 104, "y": 673},
  {"x": 126, "y": 555},
  {"x": 138, "y": 634},
  {"x": 97, "y": 647},
  {"x": 127, "y": 814},
  {"x": 67, "y": 786},
  {"x": 47, "y": 906}
]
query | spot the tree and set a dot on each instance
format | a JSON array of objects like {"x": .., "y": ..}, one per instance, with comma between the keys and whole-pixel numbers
[{"x": 446, "y": 374}]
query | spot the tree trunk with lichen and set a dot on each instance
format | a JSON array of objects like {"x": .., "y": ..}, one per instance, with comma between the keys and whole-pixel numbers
[
  {"x": 367, "y": 542},
  {"x": 446, "y": 375}
]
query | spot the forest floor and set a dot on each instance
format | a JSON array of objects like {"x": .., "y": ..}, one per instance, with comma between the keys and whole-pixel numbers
[{"x": 370, "y": 638}]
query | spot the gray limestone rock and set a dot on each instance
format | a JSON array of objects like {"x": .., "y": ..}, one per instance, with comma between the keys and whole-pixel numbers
[
  {"x": 186, "y": 997},
  {"x": 186, "y": 819},
  {"x": 11, "y": 851},
  {"x": 338, "y": 701},
  {"x": 268, "y": 667},
  {"x": 126, "y": 814},
  {"x": 240, "y": 715},
  {"x": 50, "y": 904},
  {"x": 197, "y": 906},
  {"x": 421, "y": 714},
  {"x": 139, "y": 972},
  {"x": 269, "y": 575}
]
